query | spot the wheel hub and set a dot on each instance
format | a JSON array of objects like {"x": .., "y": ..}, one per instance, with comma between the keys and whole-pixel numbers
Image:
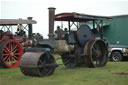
[
  {"x": 98, "y": 53},
  {"x": 11, "y": 54}
]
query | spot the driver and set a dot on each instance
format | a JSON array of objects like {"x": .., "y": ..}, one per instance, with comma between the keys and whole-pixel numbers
[{"x": 20, "y": 30}]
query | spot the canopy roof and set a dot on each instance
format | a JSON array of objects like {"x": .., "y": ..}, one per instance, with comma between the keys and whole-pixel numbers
[
  {"x": 16, "y": 21},
  {"x": 76, "y": 17}
]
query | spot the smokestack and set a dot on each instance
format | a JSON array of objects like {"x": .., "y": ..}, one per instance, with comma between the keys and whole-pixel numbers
[
  {"x": 30, "y": 28},
  {"x": 51, "y": 21}
]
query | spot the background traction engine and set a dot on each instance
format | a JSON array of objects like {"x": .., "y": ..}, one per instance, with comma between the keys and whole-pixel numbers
[
  {"x": 11, "y": 44},
  {"x": 77, "y": 48}
]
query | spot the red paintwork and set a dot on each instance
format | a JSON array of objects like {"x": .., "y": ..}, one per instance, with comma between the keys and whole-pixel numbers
[
  {"x": 18, "y": 38},
  {"x": 11, "y": 53},
  {"x": 77, "y": 17},
  {"x": 5, "y": 36},
  {"x": 63, "y": 15},
  {"x": 13, "y": 46}
]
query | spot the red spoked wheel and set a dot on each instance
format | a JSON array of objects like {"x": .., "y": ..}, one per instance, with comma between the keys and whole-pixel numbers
[{"x": 10, "y": 53}]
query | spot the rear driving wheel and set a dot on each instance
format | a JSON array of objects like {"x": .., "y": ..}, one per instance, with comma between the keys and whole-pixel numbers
[
  {"x": 96, "y": 53},
  {"x": 116, "y": 56},
  {"x": 10, "y": 53}
]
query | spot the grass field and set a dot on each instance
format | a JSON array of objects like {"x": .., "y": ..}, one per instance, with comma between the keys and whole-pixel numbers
[{"x": 68, "y": 76}]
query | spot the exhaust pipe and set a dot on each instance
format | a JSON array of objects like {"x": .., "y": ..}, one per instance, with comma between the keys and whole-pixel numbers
[
  {"x": 30, "y": 28},
  {"x": 51, "y": 21}
]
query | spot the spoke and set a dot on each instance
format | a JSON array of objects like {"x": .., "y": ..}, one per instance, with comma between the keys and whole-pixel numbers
[
  {"x": 14, "y": 48},
  {"x": 11, "y": 47},
  {"x": 11, "y": 60},
  {"x": 5, "y": 54},
  {"x": 14, "y": 51},
  {"x": 95, "y": 54},
  {"x": 6, "y": 58},
  {"x": 15, "y": 57},
  {"x": 94, "y": 49},
  {"x": 7, "y": 49},
  {"x": 99, "y": 48},
  {"x": 17, "y": 53},
  {"x": 95, "y": 46}
]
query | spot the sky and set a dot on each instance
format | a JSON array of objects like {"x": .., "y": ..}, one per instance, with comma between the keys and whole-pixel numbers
[{"x": 15, "y": 9}]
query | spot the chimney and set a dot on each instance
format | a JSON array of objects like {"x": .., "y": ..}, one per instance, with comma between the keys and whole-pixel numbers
[
  {"x": 51, "y": 21},
  {"x": 30, "y": 28}
]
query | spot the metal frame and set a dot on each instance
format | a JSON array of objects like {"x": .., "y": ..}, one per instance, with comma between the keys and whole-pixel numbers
[
  {"x": 70, "y": 25},
  {"x": 14, "y": 22},
  {"x": 76, "y": 17},
  {"x": 101, "y": 27}
]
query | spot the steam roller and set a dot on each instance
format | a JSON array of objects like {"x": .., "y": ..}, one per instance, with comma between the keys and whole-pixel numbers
[
  {"x": 37, "y": 62},
  {"x": 76, "y": 47}
]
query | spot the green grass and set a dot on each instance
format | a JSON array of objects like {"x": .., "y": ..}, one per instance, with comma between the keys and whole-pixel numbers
[{"x": 68, "y": 76}]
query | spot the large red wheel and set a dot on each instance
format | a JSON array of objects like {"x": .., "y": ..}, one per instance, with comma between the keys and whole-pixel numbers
[{"x": 10, "y": 53}]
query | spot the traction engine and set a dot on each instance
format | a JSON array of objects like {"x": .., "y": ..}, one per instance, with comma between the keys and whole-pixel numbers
[
  {"x": 12, "y": 45},
  {"x": 76, "y": 47}
]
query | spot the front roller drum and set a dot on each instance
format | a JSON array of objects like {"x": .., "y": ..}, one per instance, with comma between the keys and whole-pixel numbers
[
  {"x": 96, "y": 53},
  {"x": 37, "y": 64}
]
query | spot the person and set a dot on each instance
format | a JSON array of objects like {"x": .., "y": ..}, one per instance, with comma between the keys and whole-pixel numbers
[
  {"x": 66, "y": 34},
  {"x": 20, "y": 30},
  {"x": 58, "y": 32},
  {"x": 65, "y": 29}
]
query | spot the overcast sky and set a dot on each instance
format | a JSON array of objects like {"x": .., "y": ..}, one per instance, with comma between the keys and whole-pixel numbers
[{"x": 14, "y": 9}]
